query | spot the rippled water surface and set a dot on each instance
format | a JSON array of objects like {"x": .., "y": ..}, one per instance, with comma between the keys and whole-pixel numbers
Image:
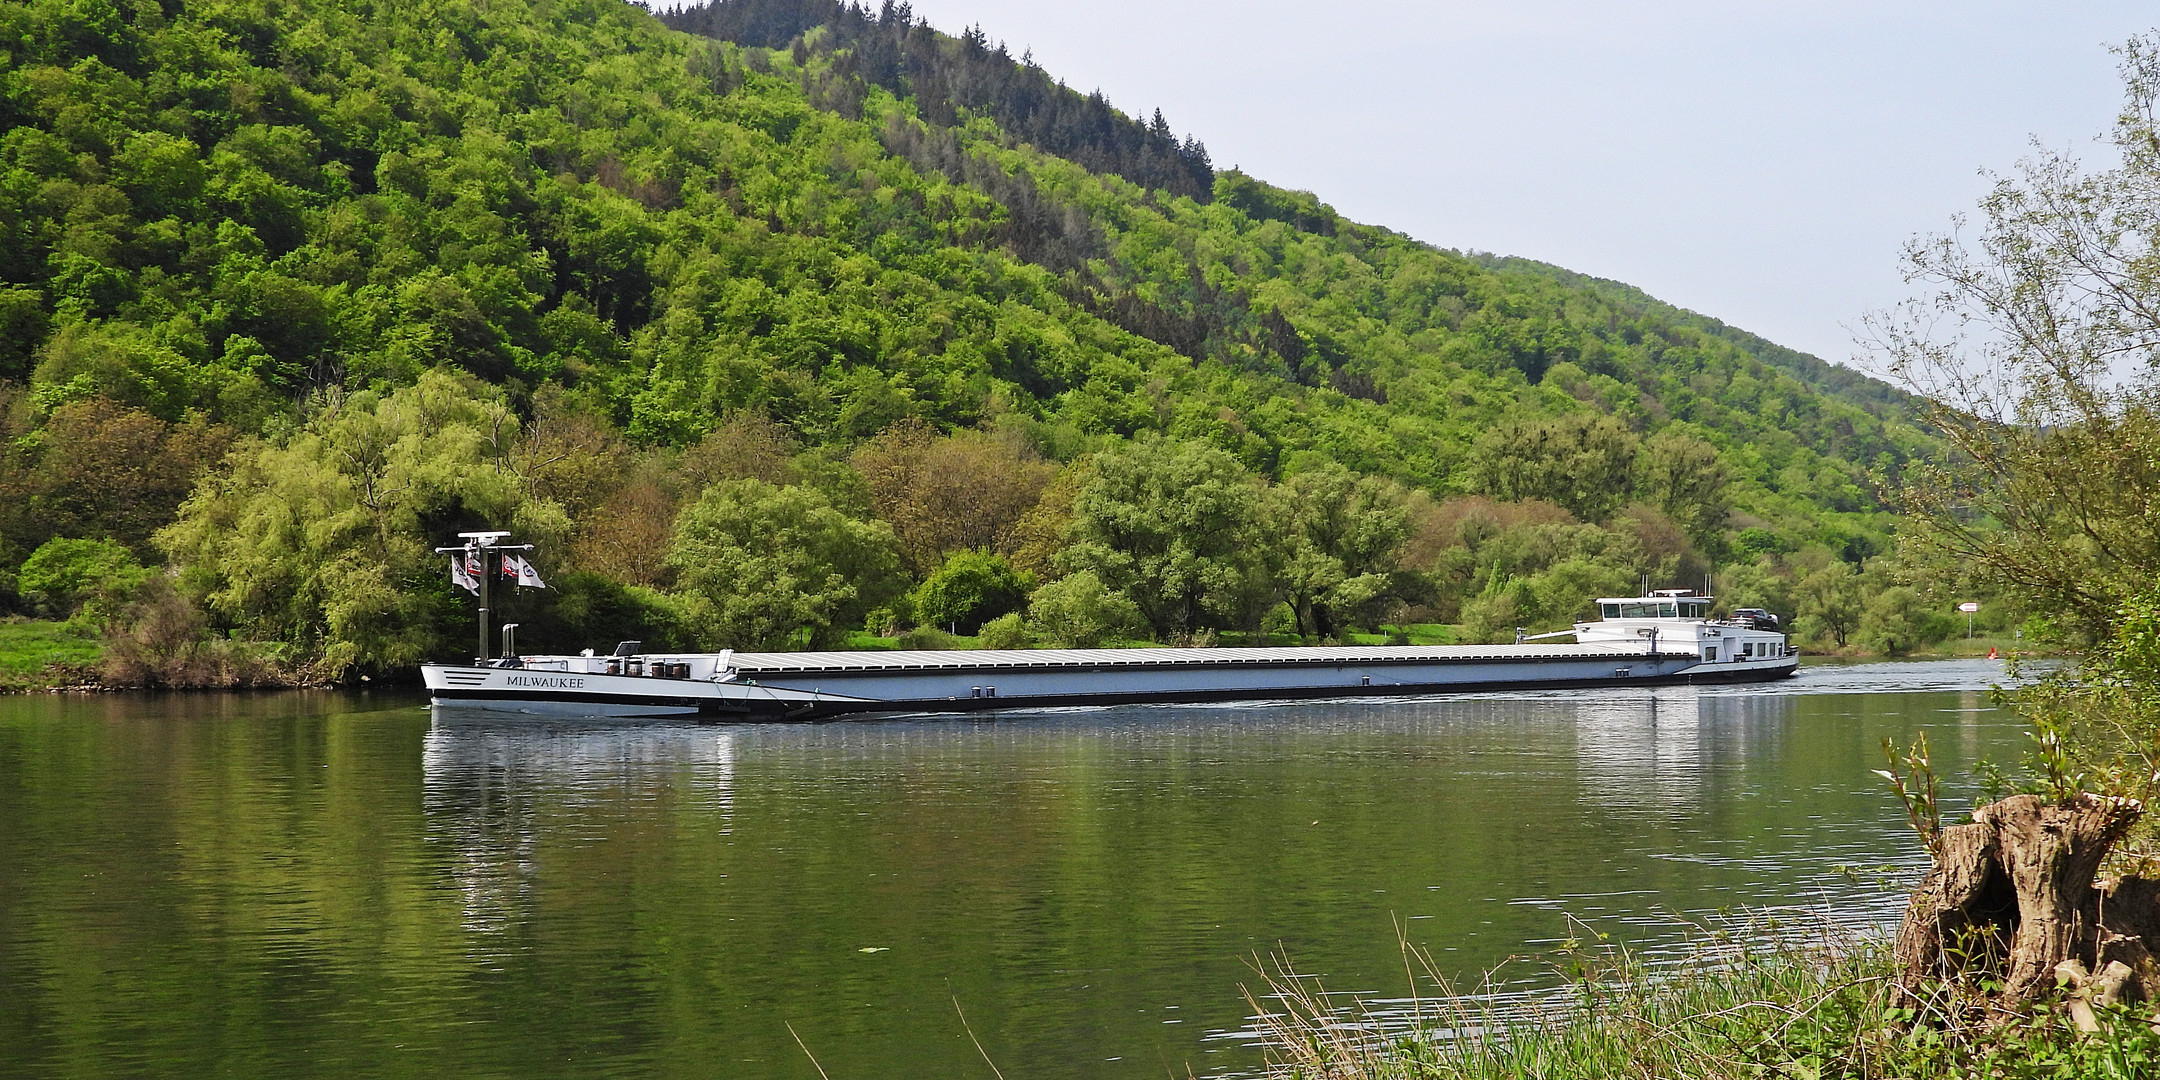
[{"x": 333, "y": 886}]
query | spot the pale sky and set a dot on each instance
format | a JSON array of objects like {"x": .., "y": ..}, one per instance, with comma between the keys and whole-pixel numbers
[{"x": 1762, "y": 163}]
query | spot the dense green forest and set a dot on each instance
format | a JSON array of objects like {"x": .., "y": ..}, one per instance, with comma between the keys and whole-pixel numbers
[{"x": 797, "y": 322}]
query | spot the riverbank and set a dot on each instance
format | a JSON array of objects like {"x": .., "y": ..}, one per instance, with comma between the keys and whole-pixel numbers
[
  {"x": 74, "y": 655},
  {"x": 1957, "y": 648},
  {"x": 1818, "y": 1007}
]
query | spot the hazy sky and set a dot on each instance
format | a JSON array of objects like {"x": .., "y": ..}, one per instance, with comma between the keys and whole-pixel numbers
[{"x": 1758, "y": 162}]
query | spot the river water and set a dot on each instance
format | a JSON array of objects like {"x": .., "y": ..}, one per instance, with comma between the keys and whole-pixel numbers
[{"x": 333, "y": 885}]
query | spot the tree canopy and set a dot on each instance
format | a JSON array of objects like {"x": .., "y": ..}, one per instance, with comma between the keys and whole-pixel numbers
[{"x": 771, "y": 567}]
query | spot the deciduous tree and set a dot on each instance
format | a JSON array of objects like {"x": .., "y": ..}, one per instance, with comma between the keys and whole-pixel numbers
[
  {"x": 1335, "y": 543},
  {"x": 1582, "y": 461},
  {"x": 1683, "y": 476},
  {"x": 1172, "y": 525},
  {"x": 324, "y": 540},
  {"x": 2038, "y": 340},
  {"x": 1831, "y": 601},
  {"x": 101, "y": 469},
  {"x": 774, "y": 566},
  {"x": 949, "y": 493}
]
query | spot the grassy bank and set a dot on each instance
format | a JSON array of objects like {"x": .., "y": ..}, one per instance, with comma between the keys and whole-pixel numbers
[
  {"x": 36, "y": 654},
  {"x": 48, "y": 655},
  {"x": 1817, "y": 1010},
  {"x": 1957, "y": 648}
]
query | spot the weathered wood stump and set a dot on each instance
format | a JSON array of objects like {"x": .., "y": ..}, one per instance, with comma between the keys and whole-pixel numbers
[{"x": 2013, "y": 896}]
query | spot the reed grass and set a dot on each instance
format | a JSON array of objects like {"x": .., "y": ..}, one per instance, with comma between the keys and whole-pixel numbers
[{"x": 1751, "y": 1005}]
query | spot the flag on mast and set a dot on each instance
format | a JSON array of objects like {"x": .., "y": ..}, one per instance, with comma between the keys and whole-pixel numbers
[
  {"x": 527, "y": 577},
  {"x": 461, "y": 573}
]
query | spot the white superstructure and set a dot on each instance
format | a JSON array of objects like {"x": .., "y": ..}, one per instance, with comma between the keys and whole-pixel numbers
[{"x": 1680, "y": 621}]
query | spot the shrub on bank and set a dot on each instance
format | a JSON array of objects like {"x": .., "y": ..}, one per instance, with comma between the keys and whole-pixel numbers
[
  {"x": 64, "y": 576},
  {"x": 971, "y": 589},
  {"x": 1008, "y": 631},
  {"x": 1078, "y": 611}
]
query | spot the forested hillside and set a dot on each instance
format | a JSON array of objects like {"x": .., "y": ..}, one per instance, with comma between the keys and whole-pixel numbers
[{"x": 840, "y": 325}]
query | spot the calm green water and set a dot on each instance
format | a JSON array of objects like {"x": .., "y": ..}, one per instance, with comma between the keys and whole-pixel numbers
[{"x": 339, "y": 886}]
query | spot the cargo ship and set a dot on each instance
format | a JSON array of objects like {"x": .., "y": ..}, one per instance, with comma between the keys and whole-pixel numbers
[{"x": 1666, "y": 637}]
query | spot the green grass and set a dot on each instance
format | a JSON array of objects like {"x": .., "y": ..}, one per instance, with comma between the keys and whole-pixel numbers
[
  {"x": 36, "y": 654},
  {"x": 865, "y": 641},
  {"x": 1772, "y": 1007}
]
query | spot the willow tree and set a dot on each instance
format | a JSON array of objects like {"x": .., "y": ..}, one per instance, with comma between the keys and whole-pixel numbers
[
  {"x": 1337, "y": 544},
  {"x": 323, "y": 539},
  {"x": 1174, "y": 526}
]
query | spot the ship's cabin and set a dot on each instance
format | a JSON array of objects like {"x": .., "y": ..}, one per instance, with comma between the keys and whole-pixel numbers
[{"x": 1660, "y": 606}]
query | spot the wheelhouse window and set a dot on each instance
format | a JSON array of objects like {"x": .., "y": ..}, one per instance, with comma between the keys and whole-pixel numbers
[{"x": 1612, "y": 611}]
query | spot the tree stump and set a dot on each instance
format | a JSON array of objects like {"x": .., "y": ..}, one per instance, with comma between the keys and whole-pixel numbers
[{"x": 2013, "y": 895}]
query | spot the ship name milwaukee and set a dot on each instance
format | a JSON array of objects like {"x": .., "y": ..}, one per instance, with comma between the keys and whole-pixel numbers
[{"x": 545, "y": 683}]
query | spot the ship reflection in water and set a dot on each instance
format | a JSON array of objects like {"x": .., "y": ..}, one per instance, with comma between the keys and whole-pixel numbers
[
  {"x": 1659, "y": 749},
  {"x": 492, "y": 792}
]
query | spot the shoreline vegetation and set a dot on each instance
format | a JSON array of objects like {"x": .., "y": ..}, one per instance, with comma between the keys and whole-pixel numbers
[{"x": 1754, "y": 1001}]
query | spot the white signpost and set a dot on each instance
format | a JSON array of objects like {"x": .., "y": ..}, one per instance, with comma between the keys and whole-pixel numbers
[{"x": 1968, "y": 607}]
